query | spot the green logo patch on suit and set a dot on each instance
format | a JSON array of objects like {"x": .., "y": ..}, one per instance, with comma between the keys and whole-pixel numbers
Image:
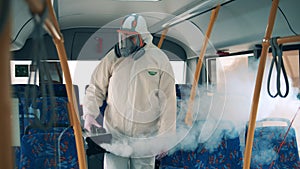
[{"x": 152, "y": 73}]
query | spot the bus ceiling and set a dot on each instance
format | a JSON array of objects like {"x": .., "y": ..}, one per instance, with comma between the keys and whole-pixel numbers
[{"x": 239, "y": 27}]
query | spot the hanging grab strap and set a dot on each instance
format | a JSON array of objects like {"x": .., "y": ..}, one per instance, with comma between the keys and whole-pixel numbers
[
  {"x": 278, "y": 61},
  {"x": 41, "y": 68}
]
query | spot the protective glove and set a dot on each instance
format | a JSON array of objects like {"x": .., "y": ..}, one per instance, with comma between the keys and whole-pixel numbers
[{"x": 89, "y": 121}]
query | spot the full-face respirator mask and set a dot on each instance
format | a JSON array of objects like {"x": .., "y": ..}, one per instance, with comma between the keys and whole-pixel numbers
[{"x": 130, "y": 41}]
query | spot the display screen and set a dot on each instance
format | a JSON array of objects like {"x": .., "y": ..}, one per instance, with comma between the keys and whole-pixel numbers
[{"x": 21, "y": 71}]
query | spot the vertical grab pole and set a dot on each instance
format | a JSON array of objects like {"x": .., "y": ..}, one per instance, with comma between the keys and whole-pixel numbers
[
  {"x": 56, "y": 26},
  {"x": 163, "y": 35},
  {"x": 258, "y": 84},
  {"x": 189, "y": 115},
  {"x": 73, "y": 113},
  {"x": 6, "y": 155}
]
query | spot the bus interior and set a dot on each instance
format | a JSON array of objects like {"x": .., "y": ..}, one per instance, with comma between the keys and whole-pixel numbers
[{"x": 245, "y": 109}]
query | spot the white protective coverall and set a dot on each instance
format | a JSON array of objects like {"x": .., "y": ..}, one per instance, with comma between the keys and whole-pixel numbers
[{"x": 140, "y": 95}]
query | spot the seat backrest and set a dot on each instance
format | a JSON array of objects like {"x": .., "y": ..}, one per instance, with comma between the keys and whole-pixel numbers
[
  {"x": 183, "y": 91},
  {"x": 227, "y": 153},
  {"x": 25, "y": 90},
  {"x": 25, "y": 94},
  {"x": 59, "y": 90},
  {"x": 28, "y": 112},
  {"x": 76, "y": 92},
  {"x": 49, "y": 150},
  {"x": 267, "y": 140},
  {"x": 53, "y": 110},
  {"x": 44, "y": 112},
  {"x": 182, "y": 98}
]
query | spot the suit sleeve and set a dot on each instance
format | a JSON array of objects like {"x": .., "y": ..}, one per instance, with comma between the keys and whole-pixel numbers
[
  {"x": 97, "y": 90},
  {"x": 168, "y": 101}
]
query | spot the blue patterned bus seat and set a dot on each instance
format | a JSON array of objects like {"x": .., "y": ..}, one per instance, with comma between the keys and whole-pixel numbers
[
  {"x": 227, "y": 155},
  {"x": 267, "y": 141},
  {"x": 25, "y": 94},
  {"x": 49, "y": 150},
  {"x": 56, "y": 105}
]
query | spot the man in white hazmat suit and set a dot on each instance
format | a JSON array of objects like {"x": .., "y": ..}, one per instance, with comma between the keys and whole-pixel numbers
[{"x": 137, "y": 81}]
